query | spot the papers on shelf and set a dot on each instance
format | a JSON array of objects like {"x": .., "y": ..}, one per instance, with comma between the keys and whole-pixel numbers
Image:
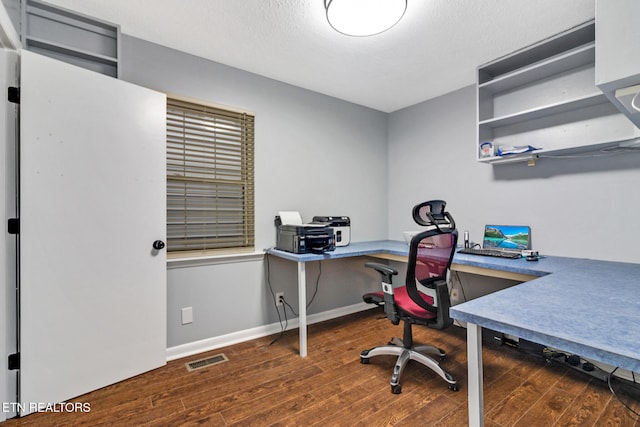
[{"x": 503, "y": 151}]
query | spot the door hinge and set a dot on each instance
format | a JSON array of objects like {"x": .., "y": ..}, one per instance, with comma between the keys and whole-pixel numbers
[
  {"x": 13, "y": 94},
  {"x": 14, "y": 361},
  {"x": 13, "y": 226}
]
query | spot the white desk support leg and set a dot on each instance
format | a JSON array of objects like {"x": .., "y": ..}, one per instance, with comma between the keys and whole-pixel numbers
[
  {"x": 474, "y": 361},
  {"x": 302, "y": 308}
]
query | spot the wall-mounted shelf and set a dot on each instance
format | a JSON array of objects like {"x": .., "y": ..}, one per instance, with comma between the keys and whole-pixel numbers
[
  {"x": 545, "y": 96},
  {"x": 71, "y": 37},
  {"x": 596, "y": 148},
  {"x": 580, "y": 56},
  {"x": 618, "y": 53},
  {"x": 545, "y": 110},
  {"x": 35, "y": 42}
]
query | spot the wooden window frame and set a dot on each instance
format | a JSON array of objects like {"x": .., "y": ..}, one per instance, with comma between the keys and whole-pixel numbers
[{"x": 210, "y": 179}]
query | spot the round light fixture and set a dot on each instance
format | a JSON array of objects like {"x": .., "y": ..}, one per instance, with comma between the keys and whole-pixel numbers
[{"x": 364, "y": 17}]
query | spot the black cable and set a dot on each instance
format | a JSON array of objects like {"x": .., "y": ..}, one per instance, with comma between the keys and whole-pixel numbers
[
  {"x": 553, "y": 354},
  {"x": 286, "y": 304},
  {"x": 457, "y": 276},
  {"x": 317, "y": 282},
  {"x": 618, "y": 398},
  {"x": 464, "y": 296},
  {"x": 314, "y": 293},
  {"x": 283, "y": 329},
  {"x": 275, "y": 303}
]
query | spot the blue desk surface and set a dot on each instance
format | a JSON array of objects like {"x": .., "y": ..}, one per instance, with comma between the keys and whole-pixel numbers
[
  {"x": 586, "y": 307},
  {"x": 393, "y": 247},
  {"x": 582, "y": 306}
]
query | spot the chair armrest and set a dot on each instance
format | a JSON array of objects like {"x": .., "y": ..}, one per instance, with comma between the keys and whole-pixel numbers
[
  {"x": 383, "y": 269},
  {"x": 387, "y": 289}
]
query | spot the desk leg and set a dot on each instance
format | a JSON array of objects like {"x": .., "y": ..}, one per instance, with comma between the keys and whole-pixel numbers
[
  {"x": 474, "y": 361},
  {"x": 302, "y": 308}
]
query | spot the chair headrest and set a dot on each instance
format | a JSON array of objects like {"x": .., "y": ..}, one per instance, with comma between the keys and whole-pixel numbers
[{"x": 432, "y": 213}]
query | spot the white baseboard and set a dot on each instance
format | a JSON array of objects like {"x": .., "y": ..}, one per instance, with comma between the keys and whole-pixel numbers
[{"x": 213, "y": 343}]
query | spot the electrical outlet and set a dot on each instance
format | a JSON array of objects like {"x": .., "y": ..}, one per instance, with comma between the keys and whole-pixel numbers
[
  {"x": 279, "y": 299},
  {"x": 187, "y": 315}
]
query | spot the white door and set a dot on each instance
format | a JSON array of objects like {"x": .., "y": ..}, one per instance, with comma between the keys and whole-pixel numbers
[
  {"x": 8, "y": 326},
  {"x": 92, "y": 203}
]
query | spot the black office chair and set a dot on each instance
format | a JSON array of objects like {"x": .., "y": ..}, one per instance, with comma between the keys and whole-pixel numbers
[{"x": 424, "y": 300}]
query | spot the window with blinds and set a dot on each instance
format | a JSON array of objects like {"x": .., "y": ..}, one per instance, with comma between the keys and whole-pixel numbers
[{"x": 210, "y": 178}]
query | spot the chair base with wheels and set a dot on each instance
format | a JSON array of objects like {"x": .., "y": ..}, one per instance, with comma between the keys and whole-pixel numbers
[{"x": 405, "y": 353}]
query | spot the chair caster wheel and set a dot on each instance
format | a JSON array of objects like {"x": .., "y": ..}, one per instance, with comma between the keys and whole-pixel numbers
[
  {"x": 454, "y": 387},
  {"x": 364, "y": 361},
  {"x": 396, "y": 389}
]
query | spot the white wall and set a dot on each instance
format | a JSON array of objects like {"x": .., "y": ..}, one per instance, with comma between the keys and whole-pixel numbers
[
  {"x": 576, "y": 207},
  {"x": 314, "y": 154}
]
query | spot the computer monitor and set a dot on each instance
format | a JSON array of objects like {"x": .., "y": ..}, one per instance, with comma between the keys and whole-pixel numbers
[{"x": 514, "y": 237}]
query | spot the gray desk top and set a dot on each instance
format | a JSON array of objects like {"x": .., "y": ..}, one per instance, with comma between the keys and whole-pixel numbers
[
  {"x": 586, "y": 307},
  {"x": 394, "y": 247}
]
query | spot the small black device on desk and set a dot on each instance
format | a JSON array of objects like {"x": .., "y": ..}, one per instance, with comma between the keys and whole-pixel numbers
[{"x": 304, "y": 238}]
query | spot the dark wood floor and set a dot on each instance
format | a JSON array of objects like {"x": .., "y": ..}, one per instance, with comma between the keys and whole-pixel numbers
[{"x": 265, "y": 384}]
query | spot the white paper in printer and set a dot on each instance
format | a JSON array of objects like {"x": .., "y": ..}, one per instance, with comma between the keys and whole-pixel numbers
[{"x": 294, "y": 218}]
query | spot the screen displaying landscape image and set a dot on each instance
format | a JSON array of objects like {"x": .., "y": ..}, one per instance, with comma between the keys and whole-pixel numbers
[{"x": 506, "y": 237}]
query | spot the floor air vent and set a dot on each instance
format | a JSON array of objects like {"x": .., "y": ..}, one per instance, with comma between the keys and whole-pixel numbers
[{"x": 203, "y": 363}]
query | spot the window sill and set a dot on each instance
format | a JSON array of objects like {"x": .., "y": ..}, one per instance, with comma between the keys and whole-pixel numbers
[{"x": 193, "y": 260}]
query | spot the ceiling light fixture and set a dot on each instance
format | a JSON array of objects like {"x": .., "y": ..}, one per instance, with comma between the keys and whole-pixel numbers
[{"x": 362, "y": 18}]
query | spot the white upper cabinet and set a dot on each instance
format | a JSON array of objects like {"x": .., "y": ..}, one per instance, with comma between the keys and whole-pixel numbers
[
  {"x": 71, "y": 37},
  {"x": 544, "y": 96},
  {"x": 618, "y": 54}
]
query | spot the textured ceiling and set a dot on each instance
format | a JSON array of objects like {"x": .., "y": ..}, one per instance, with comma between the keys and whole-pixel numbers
[{"x": 433, "y": 50}]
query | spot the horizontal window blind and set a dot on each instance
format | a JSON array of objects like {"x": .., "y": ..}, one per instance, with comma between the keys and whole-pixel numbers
[{"x": 210, "y": 177}]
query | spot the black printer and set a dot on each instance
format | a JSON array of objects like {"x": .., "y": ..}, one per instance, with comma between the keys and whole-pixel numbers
[{"x": 304, "y": 238}]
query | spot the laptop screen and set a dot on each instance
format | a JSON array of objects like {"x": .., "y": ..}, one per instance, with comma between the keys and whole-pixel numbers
[{"x": 515, "y": 237}]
